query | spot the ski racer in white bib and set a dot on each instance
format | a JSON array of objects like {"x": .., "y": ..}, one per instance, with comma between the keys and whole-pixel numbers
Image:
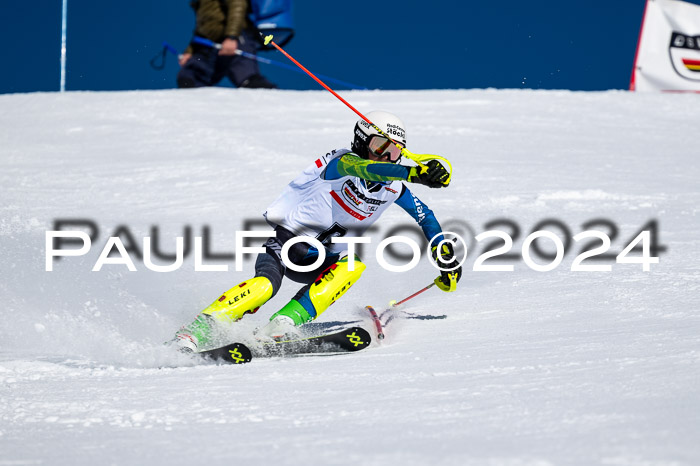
[{"x": 340, "y": 194}]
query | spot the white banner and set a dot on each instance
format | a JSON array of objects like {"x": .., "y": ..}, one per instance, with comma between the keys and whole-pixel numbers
[{"x": 668, "y": 52}]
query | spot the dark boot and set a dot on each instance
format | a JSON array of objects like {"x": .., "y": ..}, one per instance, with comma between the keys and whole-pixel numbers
[{"x": 258, "y": 81}]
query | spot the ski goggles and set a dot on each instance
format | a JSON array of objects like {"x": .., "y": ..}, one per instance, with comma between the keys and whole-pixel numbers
[{"x": 385, "y": 148}]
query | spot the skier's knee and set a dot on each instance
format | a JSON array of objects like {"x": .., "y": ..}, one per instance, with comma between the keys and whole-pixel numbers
[{"x": 268, "y": 267}]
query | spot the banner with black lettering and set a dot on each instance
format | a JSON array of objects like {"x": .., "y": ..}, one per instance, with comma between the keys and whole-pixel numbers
[{"x": 668, "y": 51}]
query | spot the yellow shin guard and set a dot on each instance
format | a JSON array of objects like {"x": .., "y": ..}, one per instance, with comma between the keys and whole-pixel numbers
[
  {"x": 314, "y": 299},
  {"x": 244, "y": 298},
  {"x": 333, "y": 283}
]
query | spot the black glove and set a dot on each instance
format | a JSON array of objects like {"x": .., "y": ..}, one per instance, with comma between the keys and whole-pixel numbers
[
  {"x": 435, "y": 176},
  {"x": 447, "y": 281}
]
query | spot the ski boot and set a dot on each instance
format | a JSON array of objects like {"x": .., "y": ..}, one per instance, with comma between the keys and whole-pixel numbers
[
  {"x": 312, "y": 300},
  {"x": 244, "y": 298}
]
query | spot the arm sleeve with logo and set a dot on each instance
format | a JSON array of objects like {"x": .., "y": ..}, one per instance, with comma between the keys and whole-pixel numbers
[
  {"x": 421, "y": 213},
  {"x": 352, "y": 165}
]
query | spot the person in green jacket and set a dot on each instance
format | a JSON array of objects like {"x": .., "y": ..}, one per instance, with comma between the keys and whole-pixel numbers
[{"x": 223, "y": 22}]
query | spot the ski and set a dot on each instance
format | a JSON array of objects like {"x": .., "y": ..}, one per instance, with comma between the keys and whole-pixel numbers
[
  {"x": 346, "y": 340},
  {"x": 234, "y": 353}
]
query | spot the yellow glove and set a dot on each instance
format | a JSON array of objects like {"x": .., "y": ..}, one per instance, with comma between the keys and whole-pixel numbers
[{"x": 447, "y": 281}]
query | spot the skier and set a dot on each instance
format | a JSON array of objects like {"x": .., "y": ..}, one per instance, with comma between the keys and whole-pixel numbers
[{"x": 340, "y": 194}]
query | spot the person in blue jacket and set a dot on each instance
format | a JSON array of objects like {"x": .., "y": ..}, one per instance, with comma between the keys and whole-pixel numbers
[{"x": 224, "y": 22}]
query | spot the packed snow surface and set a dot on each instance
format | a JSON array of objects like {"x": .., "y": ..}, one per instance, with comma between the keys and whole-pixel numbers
[{"x": 515, "y": 368}]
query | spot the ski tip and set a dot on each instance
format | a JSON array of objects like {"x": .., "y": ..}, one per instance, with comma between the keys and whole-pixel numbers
[
  {"x": 357, "y": 339},
  {"x": 238, "y": 353},
  {"x": 235, "y": 353}
]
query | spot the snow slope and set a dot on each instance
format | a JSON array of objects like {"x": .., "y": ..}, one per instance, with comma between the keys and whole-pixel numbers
[{"x": 525, "y": 368}]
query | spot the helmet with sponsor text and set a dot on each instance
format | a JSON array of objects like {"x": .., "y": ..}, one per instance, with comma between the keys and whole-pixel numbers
[{"x": 367, "y": 139}]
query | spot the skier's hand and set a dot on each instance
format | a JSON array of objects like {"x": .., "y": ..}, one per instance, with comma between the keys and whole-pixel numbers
[
  {"x": 435, "y": 176},
  {"x": 184, "y": 58},
  {"x": 228, "y": 47},
  {"x": 447, "y": 281}
]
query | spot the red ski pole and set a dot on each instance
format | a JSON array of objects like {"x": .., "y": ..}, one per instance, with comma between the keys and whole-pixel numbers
[
  {"x": 396, "y": 303},
  {"x": 377, "y": 322},
  {"x": 420, "y": 159},
  {"x": 269, "y": 39}
]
